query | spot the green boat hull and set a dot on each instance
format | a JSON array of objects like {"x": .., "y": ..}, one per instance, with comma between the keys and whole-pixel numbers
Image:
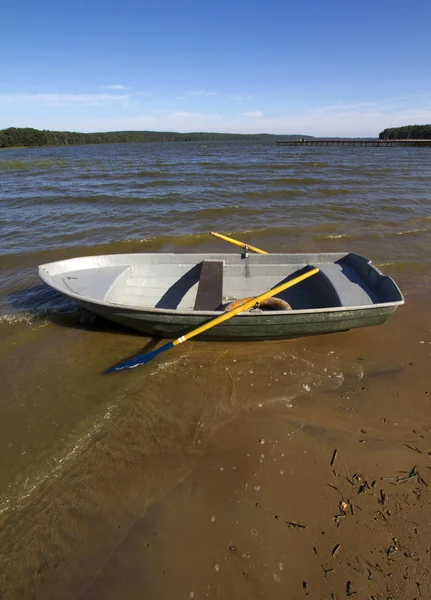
[{"x": 248, "y": 326}]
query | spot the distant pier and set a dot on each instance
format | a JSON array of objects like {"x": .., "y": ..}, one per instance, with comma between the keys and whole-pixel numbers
[{"x": 347, "y": 142}]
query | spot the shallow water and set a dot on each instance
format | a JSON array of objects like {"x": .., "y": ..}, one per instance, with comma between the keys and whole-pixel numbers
[{"x": 82, "y": 455}]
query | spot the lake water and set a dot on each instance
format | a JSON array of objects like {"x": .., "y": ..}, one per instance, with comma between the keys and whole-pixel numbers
[{"x": 82, "y": 455}]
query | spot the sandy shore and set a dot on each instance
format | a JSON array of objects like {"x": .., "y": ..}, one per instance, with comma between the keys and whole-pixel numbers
[
  {"x": 277, "y": 520},
  {"x": 325, "y": 496},
  {"x": 300, "y": 471}
]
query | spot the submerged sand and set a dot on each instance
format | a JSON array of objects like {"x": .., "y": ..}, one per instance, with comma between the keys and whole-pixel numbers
[{"x": 286, "y": 470}]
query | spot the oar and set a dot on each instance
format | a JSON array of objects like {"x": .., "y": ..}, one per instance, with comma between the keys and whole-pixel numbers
[
  {"x": 142, "y": 359},
  {"x": 237, "y": 243}
]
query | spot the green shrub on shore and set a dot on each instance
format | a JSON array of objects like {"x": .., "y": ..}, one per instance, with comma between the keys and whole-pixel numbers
[{"x": 413, "y": 132}]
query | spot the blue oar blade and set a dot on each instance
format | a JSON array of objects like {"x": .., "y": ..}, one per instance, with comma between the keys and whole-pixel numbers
[{"x": 142, "y": 359}]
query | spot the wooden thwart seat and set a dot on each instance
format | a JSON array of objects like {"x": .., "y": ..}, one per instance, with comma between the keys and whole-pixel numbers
[{"x": 210, "y": 288}]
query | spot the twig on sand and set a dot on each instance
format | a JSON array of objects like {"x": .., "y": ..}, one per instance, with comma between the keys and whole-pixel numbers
[
  {"x": 295, "y": 525},
  {"x": 335, "y": 488},
  {"x": 413, "y": 448},
  {"x": 349, "y": 591},
  {"x": 412, "y": 474},
  {"x": 376, "y": 567},
  {"x": 361, "y": 570},
  {"x": 334, "y": 456},
  {"x": 363, "y": 487},
  {"x": 382, "y": 498}
]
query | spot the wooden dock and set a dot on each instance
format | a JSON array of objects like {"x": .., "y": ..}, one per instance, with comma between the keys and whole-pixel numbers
[{"x": 353, "y": 142}]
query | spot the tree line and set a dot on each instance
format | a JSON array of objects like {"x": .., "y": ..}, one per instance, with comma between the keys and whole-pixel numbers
[
  {"x": 413, "y": 132},
  {"x": 29, "y": 137}
]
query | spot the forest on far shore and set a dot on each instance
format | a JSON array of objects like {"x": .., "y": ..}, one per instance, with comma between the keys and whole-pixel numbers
[
  {"x": 408, "y": 132},
  {"x": 28, "y": 137},
  {"x": 15, "y": 137}
]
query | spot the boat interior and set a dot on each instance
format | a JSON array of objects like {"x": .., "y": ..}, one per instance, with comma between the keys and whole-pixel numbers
[{"x": 192, "y": 282}]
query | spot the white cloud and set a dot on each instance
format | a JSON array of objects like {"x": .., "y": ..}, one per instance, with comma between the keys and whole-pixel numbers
[
  {"x": 184, "y": 115},
  {"x": 203, "y": 93},
  {"x": 349, "y": 124},
  {"x": 254, "y": 113},
  {"x": 364, "y": 119},
  {"x": 181, "y": 121},
  {"x": 63, "y": 99},
  {"x": 116, "y": 86},
  {"x": 239, "y": 97}
]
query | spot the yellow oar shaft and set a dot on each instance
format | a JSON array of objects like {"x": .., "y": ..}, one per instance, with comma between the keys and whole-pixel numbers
[
  {"x": 148, "y": 356},
  {"x": 228, "y": 315},
  {"x": 237, "y": 243}
]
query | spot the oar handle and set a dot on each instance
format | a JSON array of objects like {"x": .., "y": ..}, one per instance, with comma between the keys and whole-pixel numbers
[
  {"x": 237, "y": 243},
  {"x": 242, "y": 307}
]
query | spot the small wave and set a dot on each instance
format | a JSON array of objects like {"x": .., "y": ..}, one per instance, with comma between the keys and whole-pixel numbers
[
  {"x": 389, "y": 234},
  {"x": 24, "y": 165},
  {"x": 408, "y": 266},
  {"x": 158, "y": 183},
  {"x": 38, "y": 305},
  {"x": 162, "y": 241},
  {"x": 146, "y": 240},
  {"x": 267, "y": 195},
  {"x": 332, "y": 191},
  {"x": 410, "y": 231},
  {"x": 40, "y": 318},
  {"x": 294, "y": 181},
  {"x": 335, "y": 236},
  {"x": 16, "y": 319},
  {"x": 56, "y": 465},
  {"x": 222, "y": 211}
]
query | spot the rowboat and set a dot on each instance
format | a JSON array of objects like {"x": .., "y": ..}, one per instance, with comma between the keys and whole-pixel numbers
[{"x": 167, "y": 295}]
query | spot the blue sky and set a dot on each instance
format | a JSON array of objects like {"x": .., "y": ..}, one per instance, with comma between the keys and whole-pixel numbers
[{"x": 306, "y": 66}]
